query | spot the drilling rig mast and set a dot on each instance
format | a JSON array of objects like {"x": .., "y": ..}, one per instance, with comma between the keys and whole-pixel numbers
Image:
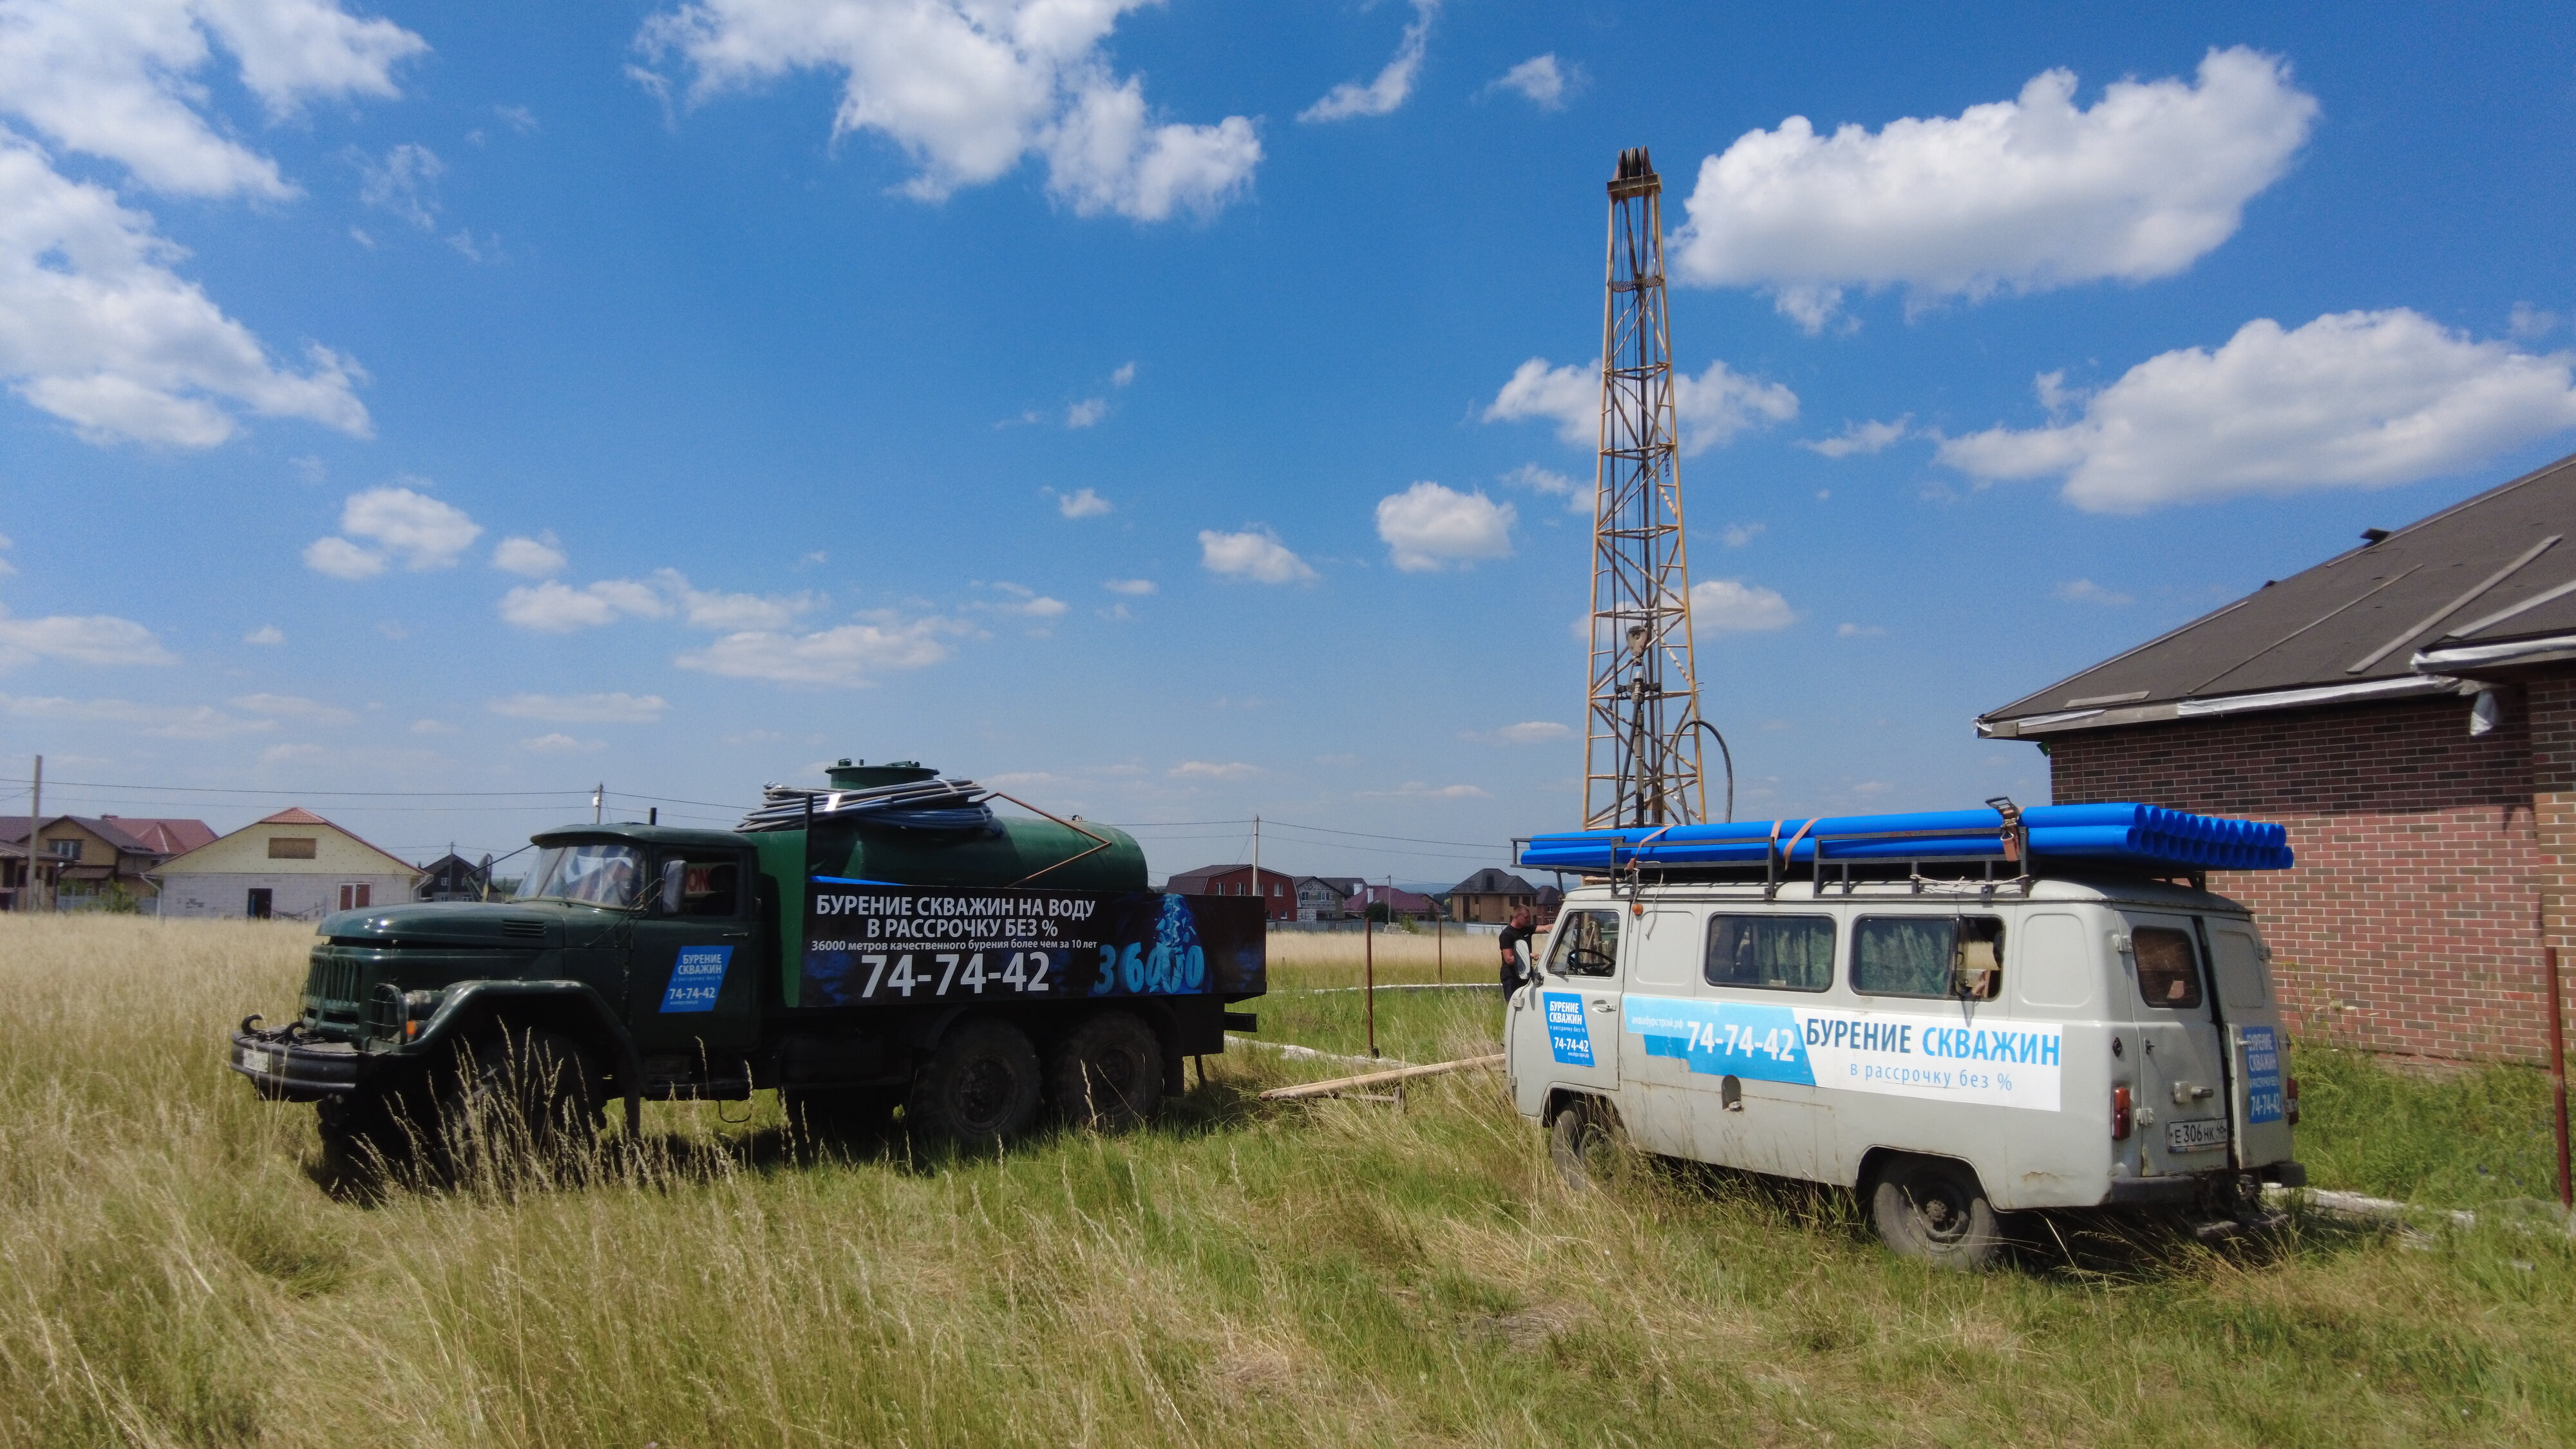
[{"x": 1641, "y": 750}]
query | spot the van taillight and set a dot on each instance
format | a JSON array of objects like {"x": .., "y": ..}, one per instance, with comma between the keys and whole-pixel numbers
[
  {"x": 2119, "y": 1114},
  {"x": 2290, "y": 1101}
]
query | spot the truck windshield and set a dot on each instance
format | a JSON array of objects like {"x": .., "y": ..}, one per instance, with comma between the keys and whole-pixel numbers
[{"x": 598, "y": 874}]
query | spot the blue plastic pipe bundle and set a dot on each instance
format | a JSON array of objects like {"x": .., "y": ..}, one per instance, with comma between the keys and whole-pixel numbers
[{"x": 2137, "y": 835}]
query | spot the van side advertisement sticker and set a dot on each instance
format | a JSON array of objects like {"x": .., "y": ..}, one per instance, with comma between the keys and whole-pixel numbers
[
  {"x": 876, "y": 945},
  {"x": 1950, "y": 1057},
  {"x": 1568, "y": 1038},
  {"x": 2262, "y": 1075}
]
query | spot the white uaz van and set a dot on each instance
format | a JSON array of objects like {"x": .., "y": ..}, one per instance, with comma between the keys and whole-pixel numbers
[{"x": 1950, "y": 1049}]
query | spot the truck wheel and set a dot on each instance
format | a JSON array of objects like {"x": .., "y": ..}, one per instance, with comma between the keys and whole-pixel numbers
[
  {"x": 1108, "y": 1074},
  {"x": 363, "y": 1139},
  {"x": 1583, "y": 1144},
  {"x": 1934, "y": 1210},
  {"x": 519, "y": 1095},
  {"x": 980, "y": 1088}
]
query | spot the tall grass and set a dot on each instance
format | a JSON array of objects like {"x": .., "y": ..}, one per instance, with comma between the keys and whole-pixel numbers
[{"x": 1337, "y": 1273}]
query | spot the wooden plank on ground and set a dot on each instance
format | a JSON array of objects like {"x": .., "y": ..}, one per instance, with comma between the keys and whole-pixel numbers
[{"x": 1374, "y": 1079}]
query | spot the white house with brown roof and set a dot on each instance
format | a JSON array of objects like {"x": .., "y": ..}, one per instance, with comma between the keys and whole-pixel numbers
[{"x": 294, "y": 863}]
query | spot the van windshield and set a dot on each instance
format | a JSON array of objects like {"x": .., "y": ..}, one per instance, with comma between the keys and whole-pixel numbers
[
  {"x": 601, "y": 873},
  {"x": 1587, "y": 944}
]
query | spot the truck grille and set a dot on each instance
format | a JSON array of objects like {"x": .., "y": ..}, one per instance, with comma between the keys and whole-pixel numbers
[{"x": 332, "y": 985}]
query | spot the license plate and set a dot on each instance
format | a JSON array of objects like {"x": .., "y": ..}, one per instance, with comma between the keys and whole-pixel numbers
[
  {"x": 258, "y": 1062},
  {"x": 2201, "y": 1136}
]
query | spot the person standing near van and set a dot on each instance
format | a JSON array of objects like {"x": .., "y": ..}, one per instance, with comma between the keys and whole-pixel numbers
[{"x": 1516, "y": 934}]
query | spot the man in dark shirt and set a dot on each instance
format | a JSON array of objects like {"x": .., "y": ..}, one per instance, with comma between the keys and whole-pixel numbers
[{"x": 1516, "y": 934}]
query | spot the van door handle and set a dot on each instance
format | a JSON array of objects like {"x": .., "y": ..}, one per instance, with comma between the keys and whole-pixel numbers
[
  {"x": 2186, "y": 1093},
  {"x": 1603, "y": 1003}
]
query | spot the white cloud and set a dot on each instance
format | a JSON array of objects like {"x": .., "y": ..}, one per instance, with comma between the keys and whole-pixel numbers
[
  {"x": 342, "y": 559},
  {"x": 2021, "y": 195},
  {"x": 432, "y": 727},
  {"x": 414, "y": 529},
  {"x": 534, "y": 558},
  {"x": 617, "y": 708},
  {"x": 1393, "y": 84},
  {"x": 265, "y": 634},
  {"x": 556, "y": 608},
  {"x": 519, "y": 118},
  {"x": 1862, "y": 438},
  {"x": 1551, "y": 483},
  {"x": 1542, "y": 81},
  {"x": 845, "y": 656},
  {"x": 1134, "y": 588},
  {"x": 2352, "y": 399},
  {"x": 165, "y": 721},
  {"x": 1023, "y": 602},
  {"x": 1737, "y": 535},
  {"x": 708, "y": 610},
  {"x": 94, "y": 326},
  {"x": 1428, "y": 527},
  {"x": 555, "y": 743},
  {"x": 1732, "y": 606},
  {"x": 80, "y": 638},
  {"x": 1858, "y": 631},
  {"x": 1531, "y": 732},
  {"x": 1213, "y": 770},
  {"x": 295, "y": 707},
  {"x": 96, "y": 329},
  {"x": 2529, "y": 324},
  {"x": 2085, "y": 591},
  {"x": 968, "y": 89},
  {"x": 1082, "y": 503},
  {"x": 1084, "y": 413},
  {"x": 405, "y": 183},
  {"x": 1125, "y": 374},
  {"x": 117, "y": 80},
  {"x": 1710, "y": 408},
  {"x": 1255, "y": 554}
]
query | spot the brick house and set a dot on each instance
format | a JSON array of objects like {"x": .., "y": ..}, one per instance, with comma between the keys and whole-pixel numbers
[
  {"x": 1323, "y": 897},
  {"x": 86, "y": 862},
  {"x": 2408, "y": 711},
  {"x": 1278, "y": 889},
  {"x": 1490, "y": 895}
]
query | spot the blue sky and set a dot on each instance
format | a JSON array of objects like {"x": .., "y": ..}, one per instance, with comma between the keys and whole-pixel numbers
[{"x": 1047, "y": 391}]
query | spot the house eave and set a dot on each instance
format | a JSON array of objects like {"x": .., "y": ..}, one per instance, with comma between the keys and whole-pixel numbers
[
  {"x": 2474, "y": 660},
  {"x": 2402, "y": 687}
]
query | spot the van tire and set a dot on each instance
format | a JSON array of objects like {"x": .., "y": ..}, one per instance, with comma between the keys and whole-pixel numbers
[
  {"x": 1583, "y": 1143},
  {"x": 1107, "y": 1074},
  {"x": 1934, "y": 1210},
  {"x": 980, "y": 1088}
]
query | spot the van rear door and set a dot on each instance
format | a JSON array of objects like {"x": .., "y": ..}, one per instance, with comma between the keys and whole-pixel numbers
[
  {"x": 2260, "y": 1048},
  {"x": 2183, "y": 1075}
]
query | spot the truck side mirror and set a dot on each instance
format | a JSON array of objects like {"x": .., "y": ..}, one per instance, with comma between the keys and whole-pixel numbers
[{"x": 675, "y": 880}]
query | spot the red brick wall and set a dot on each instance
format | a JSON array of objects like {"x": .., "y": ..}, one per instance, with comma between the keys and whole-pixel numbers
[{"x": 2413, "y": 920}]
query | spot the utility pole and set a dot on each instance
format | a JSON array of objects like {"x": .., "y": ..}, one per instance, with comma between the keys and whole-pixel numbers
[
  {"x": 1641, "y": 749},
  {"x": 598, "y": 793},
  {"x": 1256, "y": 874},
  {"x": 35, "y": 823}
]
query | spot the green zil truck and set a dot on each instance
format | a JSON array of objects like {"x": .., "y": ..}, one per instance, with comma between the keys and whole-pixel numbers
[{"x": 888, "y": 942}]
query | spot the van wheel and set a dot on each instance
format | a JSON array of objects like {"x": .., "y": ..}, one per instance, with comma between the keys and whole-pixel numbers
[
  {"x": 1583, "y": 1145},
  {"x": 1108, "y": 1074},
  {"x": 980, "y": 1088},
  {"x": 1935, "y": 1211}
]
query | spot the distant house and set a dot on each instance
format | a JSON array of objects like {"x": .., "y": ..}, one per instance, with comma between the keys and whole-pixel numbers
[
  {"x": 90, "y": 862},
  {"x": 13, "y": 874},
  {"x": 1401, "y": 904},
  {"x": 1491, "y": 895},
  {"x": 452, "y": 877},
  {"x": 1322, "y": 898},
  {"x": 294, "y": 863},
  {"x": 2408, "y": 710},
  {"x": 1278, "y": 890}
]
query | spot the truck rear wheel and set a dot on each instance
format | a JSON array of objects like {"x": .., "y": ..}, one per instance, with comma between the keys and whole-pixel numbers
[
  {"x": 1935, "y": 1211},
  {"x": 1108, "y": 1074},
  {"x": 981, "y": 1086}
]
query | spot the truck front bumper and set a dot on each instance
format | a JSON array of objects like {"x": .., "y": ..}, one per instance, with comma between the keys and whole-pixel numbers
[{"x": 285, "y": 1065}]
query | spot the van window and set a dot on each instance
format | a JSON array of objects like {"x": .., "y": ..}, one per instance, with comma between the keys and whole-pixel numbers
[
  {"x": 2239, "y": 965},
  {"x": 2166, "y": 975},
  {"x": 1959, "y": 956},
  {"x": 1587, "y": 944},
  {"x": 1782, "y": 953}
]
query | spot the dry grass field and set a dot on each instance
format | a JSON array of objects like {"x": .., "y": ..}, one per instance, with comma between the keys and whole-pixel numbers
[{"x": 1342, "y": 1273}]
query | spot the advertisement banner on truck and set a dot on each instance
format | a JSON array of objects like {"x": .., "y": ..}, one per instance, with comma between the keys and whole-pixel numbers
[{"x": 884, "y": 945}]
